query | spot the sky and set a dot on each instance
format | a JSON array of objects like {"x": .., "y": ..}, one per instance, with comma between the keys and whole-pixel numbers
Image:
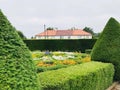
[{"x": 30, "y": 16}]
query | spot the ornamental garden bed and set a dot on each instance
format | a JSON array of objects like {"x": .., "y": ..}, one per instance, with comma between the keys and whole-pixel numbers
[
  {"x": 46, "y": 61},
  {"x": 71, "y": 71}
]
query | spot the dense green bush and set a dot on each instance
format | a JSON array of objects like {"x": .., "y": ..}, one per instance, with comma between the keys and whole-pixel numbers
[
  {"x": 87, "y": 76},
  {"x": 17, "y": 71},
  {"x": 107, "y": 47},
  {"x": 88, "y": 51},
  {"x": 43, "y": 69},
  {"x": 60, "y": 45}
]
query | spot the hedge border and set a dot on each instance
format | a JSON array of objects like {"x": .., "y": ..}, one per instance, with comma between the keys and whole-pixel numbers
[
  {"x": 61, "y": 44},
  {"x": 87, "y": 76}
]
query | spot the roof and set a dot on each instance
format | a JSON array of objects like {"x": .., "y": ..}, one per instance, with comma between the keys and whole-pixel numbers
[{"x": 63, "y": 33}]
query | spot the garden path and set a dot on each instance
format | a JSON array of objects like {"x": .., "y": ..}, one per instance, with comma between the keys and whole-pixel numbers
[{"x": 115, "y": 86}]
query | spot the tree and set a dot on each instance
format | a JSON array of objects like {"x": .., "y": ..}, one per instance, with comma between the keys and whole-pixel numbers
[
  {"x": 21, "y": 34},
  {"x": 96, "y": 35},
  {"x": 107, "y": 47},
  {"x": 73, "y": 28},
  {"x": 50, "y": 28},
  {"x": 17, "y": 71},
  {"x": 88, "y": 29}
]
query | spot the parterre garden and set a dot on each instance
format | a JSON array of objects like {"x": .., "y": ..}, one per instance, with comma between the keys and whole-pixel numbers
[
  {"x": 58, "y": 70},
  {"x": 71, "y": 71},
  {"x": 46, "y": 60}
]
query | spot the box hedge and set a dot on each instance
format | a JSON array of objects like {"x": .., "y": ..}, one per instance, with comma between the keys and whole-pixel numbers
[
  {"x": 17, "y": 71},
  {"x": 107, "y": 47},
  {"x": 60, "y": 44},
  {"x": 86, "y": 76}
]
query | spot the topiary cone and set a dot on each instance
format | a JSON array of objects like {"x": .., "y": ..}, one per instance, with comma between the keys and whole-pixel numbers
[
  {"x": 107, "y": 47},
  {"x": 17, "y": 71}
]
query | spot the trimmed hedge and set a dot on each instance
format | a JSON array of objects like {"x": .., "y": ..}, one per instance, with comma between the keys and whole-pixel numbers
[
  {"x": 86, "y": 76},
  {"x": 88, "y": 51},
  {"x": 43, "y": 69},
  {"x": 107, "y": 47},
  {"x": 17, "y": 71},
  {"x": 60, "y": 45}
]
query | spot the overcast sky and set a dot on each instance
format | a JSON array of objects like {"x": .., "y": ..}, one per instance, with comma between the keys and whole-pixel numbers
[{"x": 29, "y": 16}]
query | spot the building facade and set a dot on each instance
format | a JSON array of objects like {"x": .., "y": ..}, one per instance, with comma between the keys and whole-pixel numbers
[{"x": 64, "y": 34}]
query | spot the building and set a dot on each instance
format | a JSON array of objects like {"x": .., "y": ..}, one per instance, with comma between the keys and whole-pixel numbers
[{"x": 64, "y": 34}]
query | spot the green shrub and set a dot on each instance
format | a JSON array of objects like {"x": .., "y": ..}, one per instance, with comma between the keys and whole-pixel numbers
[
  {"x": 88, "y": 51},
  {"x": 60, "y": 45},
  {"x": 43, "y": 69},
  {"x": 107, "y": 47},
  {"x": 87, "y": 76},
  {"x": 17, "y": 71},
  {"x": 49, "y": 62}
]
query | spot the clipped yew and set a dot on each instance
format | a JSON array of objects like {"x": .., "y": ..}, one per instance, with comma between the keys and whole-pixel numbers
[
  {"x": 107, "y": 47},
  {"x": 86, "y": 76},
  {"x": 17, "y": 71}
]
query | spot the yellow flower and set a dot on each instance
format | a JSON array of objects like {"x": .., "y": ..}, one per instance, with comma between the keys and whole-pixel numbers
[
  {"x": 69, "y": 62},
  {"x": 86, "y": 59},
  {"x": 33, "y": 55}
]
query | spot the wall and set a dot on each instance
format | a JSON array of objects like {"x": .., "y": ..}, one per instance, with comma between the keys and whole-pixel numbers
[{"x": 64, "y": 37}]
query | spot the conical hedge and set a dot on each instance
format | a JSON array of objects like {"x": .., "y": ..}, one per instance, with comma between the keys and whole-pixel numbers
[
  {"x": 107, "y": 47},
  {"x": 17, "y": 71}
]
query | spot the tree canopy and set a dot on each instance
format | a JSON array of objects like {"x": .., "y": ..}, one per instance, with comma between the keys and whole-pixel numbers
[{"x": 88, "y": 29}]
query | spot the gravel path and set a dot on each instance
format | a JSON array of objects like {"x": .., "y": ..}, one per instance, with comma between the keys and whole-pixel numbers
[{"x": 115, "y": 86}]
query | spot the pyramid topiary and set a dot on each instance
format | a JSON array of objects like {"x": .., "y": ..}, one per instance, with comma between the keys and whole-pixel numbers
[
  {"x": 107, "y": 47},
  {"x": 17, "y": 71}
]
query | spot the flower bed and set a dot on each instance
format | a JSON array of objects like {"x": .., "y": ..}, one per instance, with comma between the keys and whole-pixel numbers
[{"x": 54, "y": 60}]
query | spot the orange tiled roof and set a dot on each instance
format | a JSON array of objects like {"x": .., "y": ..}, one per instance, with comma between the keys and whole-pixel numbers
[
  {"x": 80, "y": 32},
  {"x": 63, "y": 33}
]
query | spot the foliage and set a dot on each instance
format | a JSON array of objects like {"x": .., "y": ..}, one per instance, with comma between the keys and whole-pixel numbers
[
  {"x": 17, "y": 71},
  {"x": 60, "y": 45},
  {"x": 107, "y": 47},
  {"x": 96, "y": 35},
  {"x": 68, "y": 62},
  {"x": 50, "y": 28},
  {"x": 54, "y": 67},
  {"x": 56, "y": 60},
  {"x": 88, "y": 51},
  {"x": 87, "y": 76},
  {"x": 86, "y": 59},
  {"x": 21, "y": 34},
  {"x": 89, "y": 30},
  {"x": 38, "y": 55}
]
